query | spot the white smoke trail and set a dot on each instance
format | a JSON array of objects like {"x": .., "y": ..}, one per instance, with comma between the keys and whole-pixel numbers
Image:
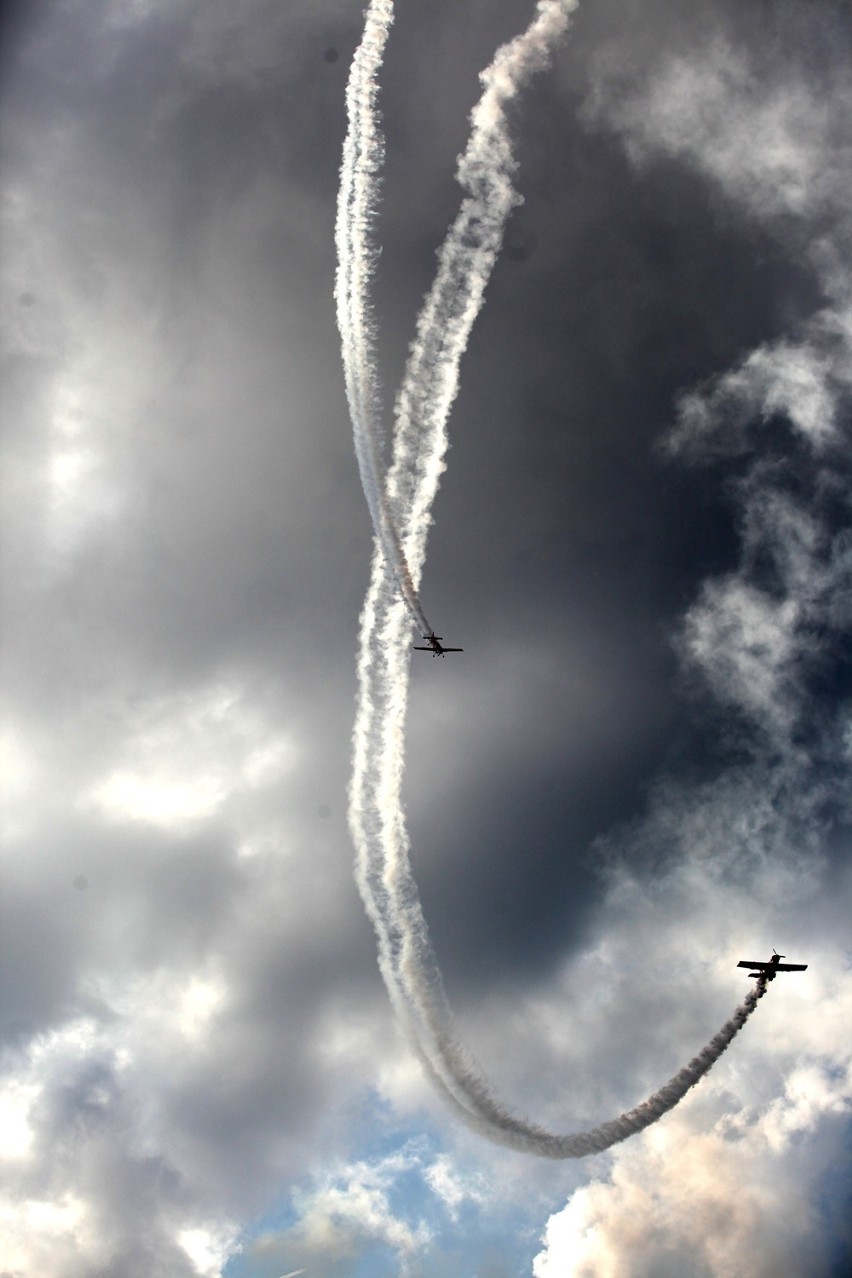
[
  {"x": 383, "y": 868},
  {"x": 502, "y": 1127},
  {"x": 465, "y": 262},
  {"x": 363, "y": 151},
  {"x": 406, "y": 957}
]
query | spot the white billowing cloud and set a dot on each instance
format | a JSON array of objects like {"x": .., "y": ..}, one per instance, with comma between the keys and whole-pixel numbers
[
  {"x": 753, "y": 634},
  {"x": 199, "y": 1015},
  {"x": 451, "y": 1186},
  {"x": 730, "y": 1182},
  {"x": 92, "y": 335},
  {"x": 208, "y": 1247},
  {"x": 732, "y": 1197},
  {"x": 770, "y": 137},
  {"x": 16, "y": 1134},
  {"x": 812, "y": 1089},
  {"x": 156, "y": 799},
  {"x": 350, "y": 1211},
  {"x": 405, "y": 1207},
  {"x": 340, "y": 1214},
  {"x": 186, "y": 755},
  {"x": 687, "y": 1201},
  {"x": 120, "y": 1125},
  {"x": 799, "y": 382},
  {"x": 87, "y": 1132},
  {"x": 90, "y": 1118},
  {"x": 773, "y": 139},
  {"x": 47, "y": 1236},
  {"x": 615, "y": 1021},
  {"x": 163, "y": 1014},
  {"x": 17, "y": 776},
  {"x": 745, "y": 645}
]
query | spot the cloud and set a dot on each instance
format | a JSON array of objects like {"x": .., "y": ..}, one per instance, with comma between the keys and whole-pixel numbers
[
  {"x": 412, "y": 1211},
  {"x": 757, "y": 635},
  {"x": 784, "y": 380},
  {"x": 348, "y": 1215},
  {"x": 192, "y": 1015},
  {"x": 186, "y": 756},
  {"x": 209, "y": 1247},
  {"x": 736, "y": 1195},
  {"x": 756, "y": 121},
  {"x": 734, "y": 1182},
  {"x": 452, "y": 1188}
]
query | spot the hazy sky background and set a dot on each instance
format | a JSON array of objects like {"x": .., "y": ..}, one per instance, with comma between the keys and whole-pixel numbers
[{"x": 635, "y": 775}]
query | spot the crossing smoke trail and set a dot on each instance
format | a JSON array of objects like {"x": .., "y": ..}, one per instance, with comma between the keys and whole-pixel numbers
[
  {"x": 363, "y": 152},
  {"x": 465, "y": 262},
  {"x": 383, "y": 870}
]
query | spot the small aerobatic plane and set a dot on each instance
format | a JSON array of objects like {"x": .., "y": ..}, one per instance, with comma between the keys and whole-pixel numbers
[
  {"x": 436, "y": 648},
  {"x": 768, "y": 971}
]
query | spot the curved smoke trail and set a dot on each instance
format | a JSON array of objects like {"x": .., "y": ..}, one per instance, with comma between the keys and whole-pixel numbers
[
  {"x": 363, "y": 152},
  {"x": 383, "y": 869},
  {"x": 465, "y": 262},
  {"x": 406, "y": 957}
]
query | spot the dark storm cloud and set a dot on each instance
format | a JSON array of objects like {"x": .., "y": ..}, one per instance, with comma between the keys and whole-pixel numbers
[
  {"x": 570, "y": 521},
  {"x": 752, "y": 633},
  {"x": 390, "y": 894},
  {"x": 249, "y": 332},
  {"x": 170, "y": 248},
  {"x": 174, "y": 372}
]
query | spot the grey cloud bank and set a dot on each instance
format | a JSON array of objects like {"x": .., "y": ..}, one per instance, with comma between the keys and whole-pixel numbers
[{"x": 640, "y": 769}]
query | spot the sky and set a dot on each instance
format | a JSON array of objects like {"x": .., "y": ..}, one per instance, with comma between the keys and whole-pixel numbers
[{"x": 635, "y": 774}]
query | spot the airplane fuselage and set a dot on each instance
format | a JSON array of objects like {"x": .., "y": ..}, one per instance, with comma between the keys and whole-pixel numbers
[
  {"x": 769, "y": 970},
  {"x": 436, "y": 648}
]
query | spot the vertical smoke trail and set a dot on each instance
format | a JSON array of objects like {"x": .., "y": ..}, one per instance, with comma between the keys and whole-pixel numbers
[
  {"x": 383, "y": 868},
  {"x": 429, "y": 387},
  {"x": 363, "y": 152},
  {"x": 465, "y": 262}
]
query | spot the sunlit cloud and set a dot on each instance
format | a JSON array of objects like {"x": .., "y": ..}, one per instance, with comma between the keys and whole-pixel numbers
[
  {"x": 451, "y": 1186},
  {"x": 767, "y": 140},
  {"x": 84, "y": 492},
  {"x": 46, "y": 1233},
  {"x": 154, "y": 799},
  {"x": 351, "y": 1210},
  {"x": 187, "y": 756},
  {"x": 17, "y": 769},
  {"x": 208, "y": 1248},
  {"x": 198, "y": 1004},
  {"x": 704, "y": 1194},
  {"x": 635, "y": 775},
  {"x": 16, "y": 1135}
]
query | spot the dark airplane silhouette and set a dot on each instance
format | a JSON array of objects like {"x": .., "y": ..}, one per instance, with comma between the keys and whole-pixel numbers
[
  {"x": 436, "y": 648},
  {"x": 768, "y": 971}
]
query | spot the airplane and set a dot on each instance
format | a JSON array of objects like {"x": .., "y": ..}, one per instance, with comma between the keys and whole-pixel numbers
[
  {"x": 768, "y": 971},
  {"x": 436, "y": 648}
]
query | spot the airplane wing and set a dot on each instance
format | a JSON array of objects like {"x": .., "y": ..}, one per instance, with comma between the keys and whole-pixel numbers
[
  {"x": 418, "y": 648},
  {"x": 454, "y": 650},
  {"x": 748, "y": 963},
  {"x": 791, "y": 967}
]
